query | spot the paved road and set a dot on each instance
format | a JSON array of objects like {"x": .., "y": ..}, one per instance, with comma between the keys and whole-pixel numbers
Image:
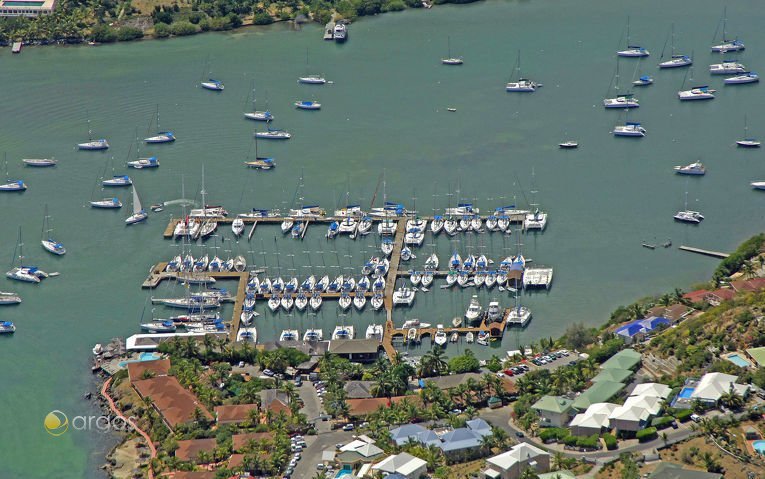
[{"x": 306, "y": 468}]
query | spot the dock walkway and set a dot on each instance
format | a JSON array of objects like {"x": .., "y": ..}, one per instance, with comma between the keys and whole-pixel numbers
[{"x": 714, "y": 254}]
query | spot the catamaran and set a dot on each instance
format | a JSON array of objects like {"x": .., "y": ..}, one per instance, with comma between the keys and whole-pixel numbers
[
  {"x": 629, "y": 129},
  {"x": 688, "y": 216},
  {"x": 139, "y": 214},
  {"x": 47, "y": 241},
  {"x": 403, "y": 296},
  {"x": 727, "y": 67},
  {"x": 697, "y": 93},
  {"x": 522, "y": 85},
  {"x": 343, "y": 332}
]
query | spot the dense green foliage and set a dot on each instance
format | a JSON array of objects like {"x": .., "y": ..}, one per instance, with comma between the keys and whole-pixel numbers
[
  {"x": 736, "y": 260},
  {"x": 465, "y": 363},
  {"x": 646, "y": 434},
  {"x": 610, "y": 441}
]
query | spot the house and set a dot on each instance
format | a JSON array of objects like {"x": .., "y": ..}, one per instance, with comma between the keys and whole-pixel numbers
[
  {"x": 9, "y": 8},
  {"x": 716, "y": 297},
  {"x": 593, "y": 421},
  {"x": 189, "y": 450},
  {"x": 614, "y": 375},
  {"x": 553, "y": 411},
  {"x": 638, "y": 329},
  {"x": 450, "y": 381},
  {"x": 406, "y": 465},
  {"x": 562, "y": 474},
  {"x": 461, "y": 445},
  {"x": 275, "y": 401},
  {"x": 629, "y": 419},
  {"x": 657, "y": 390},
  {"x": 668, "y": 470},
  {"x": 601, "y": 391},
  {"x": 356, "y": 350},
  {"x": 359, "y": 389},
  {"x": 358, "y": 451},
  {"x": 713, "y": 385},
  {"x": 413, "y": 432},
  {"x": 757, "y": 355},
  {"x": 749, "y": 285},
  {"x": 651, "y": 404},
  {"x": 675, "y": 313},
  {"x": 138, "y": 370},
  {"x": 624, "y": 359},
  {"x": 512, "y": 463},
  {"x": 241, "y": 442},
  {"x": 175, "y": 404},
  {"x": 364, "y": 407},
  {"x": 194, "y": 475},
  {"x": 696, "y": 297},
  {"x": 234, "y": 414}
]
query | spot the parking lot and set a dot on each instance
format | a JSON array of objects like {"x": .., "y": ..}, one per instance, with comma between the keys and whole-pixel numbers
[{"x": 551, "y": 361}]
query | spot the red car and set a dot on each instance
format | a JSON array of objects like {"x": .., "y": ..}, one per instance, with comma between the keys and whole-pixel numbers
[{"x": 509, "y": 372}]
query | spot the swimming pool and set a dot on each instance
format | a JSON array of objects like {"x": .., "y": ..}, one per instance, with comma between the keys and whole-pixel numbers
[
  {"x": 738, "y": 360},
  {"x": 759, "y": 446},
  {"x": 345, "y": 472},
  {"x": 141, "y": 357},
  {"x": 686, "y": 392}
]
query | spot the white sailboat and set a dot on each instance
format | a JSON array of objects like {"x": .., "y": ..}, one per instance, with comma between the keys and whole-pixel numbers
[
  {"x": 26, "y": 274},
  {"x": 47, "y": 240},
  {"x": 624, "y": 100},
  {"x": 747, "y": 141},
  {"x": 91, "y": 144},
  {"x": 632, "y": 51},
  {"x": 450, "y": 60},
  {"x": 161, "y": 136},
  {"x": 258, "y": 115},
  {"x": 727, "y": 45},
  {"x": 522, "y": 85},
  {"x": 676, "y": 60},
  {"x": 11, "y": 185},
  {"x": 139, "y": 214}
]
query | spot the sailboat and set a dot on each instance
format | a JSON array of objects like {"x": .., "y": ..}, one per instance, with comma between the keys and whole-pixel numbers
[
  {"x": 139, "y": 214},
  {"x": 536, "y": 220},
  {"x": 747, "y": 141},
  {"x": 307, "y": 105},
  {"x": 629, "y": 128},
  {"x": 735, "y": 45},
  {"x": 27, "y": 274},
  {"x": 273, "y": 134},
  {"x": 91, "y": 144},
  {"x": 696, "y": 93},
  {"x": 675, "y": 60},
  {"x": 213, "y": 84},
  {"x": 518, "y": 315},
  {"x": 40, "y": 162},
  {"x": 632, "y": 50},
  {"x": 47, "y": 241},
  {"x": 161, "y": 136},
  {"x": 522, "y": 84},
  {"x": 140, "y": 163},
  {"x": 12, "y": 185},
  {"x": 450, "y": 60},
  {"x": 117, "y": 180},
  {"x": 260, "y": 162},
  {"x": 311, "y": 79},
  {"x": 257, "y": 115},
  {"x": 625, "y": 100},
  {"x": 686, "y": 215}
]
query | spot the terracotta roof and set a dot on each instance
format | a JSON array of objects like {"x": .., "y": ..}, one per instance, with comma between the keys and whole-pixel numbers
[
  {"x": 234, "y": 413},
  {"x": 189, "y": 450},
  {"x": 240, "y": 441},
  {"x": 236, "y": 460},
  {"x": 362, "y": 407},
  {"x": 160, "y": 367},
  {"x": 354, "y": 346},
  {"x": 724, "y": 293},
  {"x": 673, "y": 312},
  {"x": 275, "y": 401},
  {"x": 174, "y": 403},
  {"x": 194, "y": 475},
  {"x": 696, "y": 296},
  {"x": 754, "y": 284}
]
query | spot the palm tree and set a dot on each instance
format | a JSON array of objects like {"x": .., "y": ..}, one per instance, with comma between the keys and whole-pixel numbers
[
  {"x": 748, "y": 269},
  {"x": 493, "y": 384},
  {"x": 529, "y": 473},
  {"x": 637, "y": 311},
  {"x": 732, "y": 399},
  {"x": 665, "y": 299},
  {"x": 433, "y": 363}
]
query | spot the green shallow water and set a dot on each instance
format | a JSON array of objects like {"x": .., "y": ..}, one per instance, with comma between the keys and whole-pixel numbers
[{"x": 385, "y": 111}]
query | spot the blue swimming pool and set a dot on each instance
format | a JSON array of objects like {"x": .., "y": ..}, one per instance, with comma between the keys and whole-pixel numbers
[
  {"x": 141, "y": 357},
  {"x": 345, "y": 472},
  {"x": 686, "y": 392},
  {"x": 738, "y": 360},
  {"x": 759, "y": 446}
]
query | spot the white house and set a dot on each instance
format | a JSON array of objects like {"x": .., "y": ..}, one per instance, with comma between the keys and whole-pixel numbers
[
  {"x": 629, "y": 418},
  {"x": 651, "y": 404},
  {"x": 512, "y": 463},
  {"x": 713, "y": 385},
  {"x": 594, "y": 420},
  {"x": 405, "y": 464},
  {"x": 652, "y": 389}
]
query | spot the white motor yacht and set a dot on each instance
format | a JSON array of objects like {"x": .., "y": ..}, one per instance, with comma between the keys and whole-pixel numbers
[
  {"x": 440, "y": 336},
  {"x": 695, "y": 168},
  {"x": 629, "y": 129},
  {"x": 237, "y": 226},
  {"x": 474, "y": 312}
]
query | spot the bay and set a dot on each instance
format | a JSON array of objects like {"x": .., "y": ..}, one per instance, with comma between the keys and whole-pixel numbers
[{"x": 385, "y": 112}]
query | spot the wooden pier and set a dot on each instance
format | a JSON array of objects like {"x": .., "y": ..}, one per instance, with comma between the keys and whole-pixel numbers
[
  {"x": 329, "y": 31},
  {"x": 714, "y": 254}
]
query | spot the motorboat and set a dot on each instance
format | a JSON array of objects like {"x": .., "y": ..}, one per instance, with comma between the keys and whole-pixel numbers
[
  {"x": 483, "y": 338},
  {"x": 403, "y": 296},
  {"x": 273, "y": 134},
  {"x": 345, "y": 301},
  {"x": 315, "y": 301},
  {"x": 161, "y": 137},
  {"x": 677, "y": 61},
  {"x": 411, "y": 335},
  {"x": 629, "y": 129},
  {"x": 644, "y": 80},
  {"x": 307, "y": 105},
  {"x": 312, "y": 80},
  {"x": 535, "y": 221},
  {"x": 493, "y": 312},
  {"x": 340, "y": 33},
  {"x": 343, "y": 332},
  {"x": 212, "y": 84},
  {"x": 695, "y": 168},
  {"x": 118, "y": 180},
  {"x": 9, "y": 298},
  {"x": 237, "y": 226},
  {"x": 745, "y": 77},
  {"x": 523, "y": 85},
  {"x": 688, "y": 216},
  {"x": 40, "y": 162},
  {"x": 633, "y": 51},
  {"x": 375, "y": 331},
  {"x": 100, "y": 144},
  {"x": 289, "y": 335},
  {"x": 440, "y": 336},
  {"x": 727, "y": 67},
  {"x": 621, "y": 101},
  {"x": 414, "y": 323},
  {"x": 159, "y": 327},
  {"x": 359, "y": 300},
  {"x": 697, "y": 93},
  {"x": 7, "y": 327},
  {"x": 758, "y": 185},
  {"x": 377, "y": 301},
  {"x": 474, "y": 311},
  {"x": 469, "y": 337},
  {"x": 313, "y": 334},
  {"x": 142, "y": 163}
]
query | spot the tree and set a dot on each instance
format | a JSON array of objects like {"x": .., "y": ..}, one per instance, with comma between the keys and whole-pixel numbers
[
  {"x": 732, "y": 399},
  {"x": 578, "y": 336},
  {"x": 464, "y": 363},
  {"x": 433, "y": 363},
  {"x": 529, "y": 473},
  {"x": 629, "y": 466}
]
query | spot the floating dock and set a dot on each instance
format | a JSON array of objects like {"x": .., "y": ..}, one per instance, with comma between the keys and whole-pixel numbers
[
  {"x": 329, "y": 31},
  {"x": 714, "y": 254}
]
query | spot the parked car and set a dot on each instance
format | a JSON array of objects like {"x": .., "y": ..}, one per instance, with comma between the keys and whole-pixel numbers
[
  {"x": 320, "y": 467},
  {"x": 519, "y": 434},
  {"x": 348, "y": 427},
  {"x": 695, "y": 418},
  {"x": 241, "y": 364},
  {"x": 268, "y": 372}
]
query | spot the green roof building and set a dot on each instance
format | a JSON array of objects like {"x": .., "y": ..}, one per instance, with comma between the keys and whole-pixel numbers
[
  {"x": 758, "y": 355},
  {"x": 553, "y": 411},
  {"x": 600, "y": 391},
  {"x": 613, "y": 375},
  {"x": 624, "y": 359}
]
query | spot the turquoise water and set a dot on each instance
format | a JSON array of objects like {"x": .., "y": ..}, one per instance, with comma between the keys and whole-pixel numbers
[
  {"x": 738, "y": 360},
  {"x": 759, "y": 446},
  {"x": 386, "y": 113},
  {"x": 343, "y": 472},
  {"x": 141, "y": 357},
  {"x": 686, "y": 393}
]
